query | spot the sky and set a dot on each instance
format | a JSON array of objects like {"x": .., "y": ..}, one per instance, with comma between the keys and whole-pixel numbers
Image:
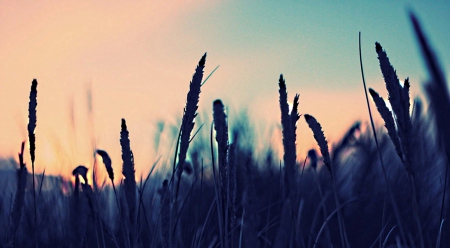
[{"x": 99, "y": 61}]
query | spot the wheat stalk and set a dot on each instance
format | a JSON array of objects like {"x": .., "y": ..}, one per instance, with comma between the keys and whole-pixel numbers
[
  {"x": 108, "y": 165},
  {"x": 389, "y": 123},
  {"x": 130, "y": 180},
  {"x": 82, "y": 171},
  {"x": 92, "y": 202},
  {"x": 383, "y": 169},
  {"x": 399, "y": 99},
  {"x": 79, "y": 217},
  {"x": 288, "y": 122},
  {"x": 321, "y": 141},
  {"x": 32, "y": 137},
  {"x": 190, "y": 112},
  {"x": 187, "y": 125},
  {"x": 221, "y": 127},
  {"x": 323, "y": 145}
]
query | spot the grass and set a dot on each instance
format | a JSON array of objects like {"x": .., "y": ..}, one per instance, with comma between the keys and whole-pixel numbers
[{"x": 377, "y": 186}]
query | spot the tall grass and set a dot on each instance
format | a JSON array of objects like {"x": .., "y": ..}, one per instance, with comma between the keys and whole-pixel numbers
[
  {"x": 437, "y": 92},
  {"x": 319, "y": 136},
  {"x": 32, "y": 139},
  {"x": 401, "y": 132},
  {"x": 218, "y": 193},
  {"x": 129, "y": 184},
  {"x": 289, "y": 209},
  {"x": 223, "y": 196}
]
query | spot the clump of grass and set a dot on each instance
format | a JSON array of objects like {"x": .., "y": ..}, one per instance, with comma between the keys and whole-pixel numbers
[
  {"x": 399, "y": 99},
  {"x": 403, "y": 137},
  {"x": 394, "y": 139}
]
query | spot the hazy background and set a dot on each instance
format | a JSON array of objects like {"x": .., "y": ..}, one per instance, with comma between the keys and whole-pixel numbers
[{"x": 136, "y": 60}]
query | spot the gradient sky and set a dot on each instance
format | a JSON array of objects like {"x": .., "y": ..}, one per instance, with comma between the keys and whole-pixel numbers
[{"x": 136, "y": 59}]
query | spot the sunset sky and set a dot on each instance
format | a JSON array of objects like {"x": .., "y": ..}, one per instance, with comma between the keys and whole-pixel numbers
[{"x": 136, "y": 58}]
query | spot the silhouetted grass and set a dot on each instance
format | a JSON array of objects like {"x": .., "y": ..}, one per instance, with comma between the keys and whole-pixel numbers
[{"x": 359, "y": 193}]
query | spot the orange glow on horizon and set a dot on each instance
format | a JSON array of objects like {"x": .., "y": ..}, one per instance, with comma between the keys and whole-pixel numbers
[{"x": 54, "y": 42}]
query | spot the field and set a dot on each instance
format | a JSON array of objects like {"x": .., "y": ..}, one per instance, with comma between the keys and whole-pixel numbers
[{"x": 376, "y": 187}]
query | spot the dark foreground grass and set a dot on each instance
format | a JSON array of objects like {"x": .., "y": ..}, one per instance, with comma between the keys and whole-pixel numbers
[{"x": 345, "y": 198}]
